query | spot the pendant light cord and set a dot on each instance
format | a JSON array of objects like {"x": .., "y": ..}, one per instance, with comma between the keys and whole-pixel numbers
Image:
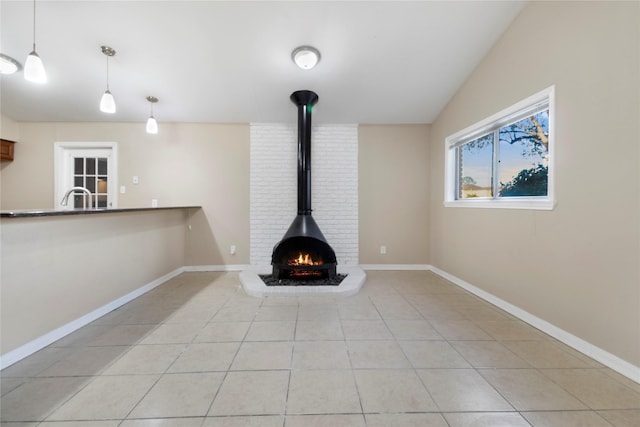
[
  {"x": 34, "y": 25},
  {"x": 34, "y": 68},
  {"x": 107, "y": 72}
]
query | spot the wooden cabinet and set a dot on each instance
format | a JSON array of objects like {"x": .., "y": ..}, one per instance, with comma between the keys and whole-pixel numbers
[{"x": 6, "y": 153}]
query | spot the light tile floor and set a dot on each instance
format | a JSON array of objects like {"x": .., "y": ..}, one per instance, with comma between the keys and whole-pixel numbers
[{"x": 411, "y": 349}]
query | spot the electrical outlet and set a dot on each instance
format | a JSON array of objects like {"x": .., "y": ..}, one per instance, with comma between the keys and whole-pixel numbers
[
  {"x": 232, "y": 250},
  {"x": 135, "y": 180},
  {"x": 154, "y": 203},
  {"x": 383, "y": 249}
]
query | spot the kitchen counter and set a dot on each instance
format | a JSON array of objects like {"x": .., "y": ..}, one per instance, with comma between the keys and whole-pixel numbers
[
  {"x": 63, "y": 269},
  {"x": 27, "y": 213}
]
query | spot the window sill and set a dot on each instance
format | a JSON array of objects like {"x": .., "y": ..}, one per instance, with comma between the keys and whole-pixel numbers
[{"x": 520, "y": 203}]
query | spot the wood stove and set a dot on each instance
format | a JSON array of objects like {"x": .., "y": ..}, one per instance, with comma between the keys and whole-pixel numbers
[{"x": 303, "y": 253}]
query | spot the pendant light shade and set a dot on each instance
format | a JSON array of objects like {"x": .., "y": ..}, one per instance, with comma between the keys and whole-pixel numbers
[
  {"x": 33, "y": 67},
  {"x": 152, "y": 124},
  {"x": 108, "y": 102}
]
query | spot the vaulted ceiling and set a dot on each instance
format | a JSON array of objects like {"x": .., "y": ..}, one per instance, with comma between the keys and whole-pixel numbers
[{"x": 217, "y": 61}]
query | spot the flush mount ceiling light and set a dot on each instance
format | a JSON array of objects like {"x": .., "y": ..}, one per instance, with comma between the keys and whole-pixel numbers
[
  {"x": 107, "y": 102},
  {"x": 306, "y": 57},
  {"x": 152, "y": 124},
  {"x": 8, "y": 65},
  {"x": 33, "y": 66}
]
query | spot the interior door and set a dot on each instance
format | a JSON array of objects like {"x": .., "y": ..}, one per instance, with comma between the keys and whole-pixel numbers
[{"x": 90, "y": 168}]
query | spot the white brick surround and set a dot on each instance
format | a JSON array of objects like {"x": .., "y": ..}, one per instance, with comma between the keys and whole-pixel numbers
[{"x": 334, "y": 187}]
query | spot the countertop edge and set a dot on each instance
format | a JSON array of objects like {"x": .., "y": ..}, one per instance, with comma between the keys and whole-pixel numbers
[{"x": 32, "y": 213}]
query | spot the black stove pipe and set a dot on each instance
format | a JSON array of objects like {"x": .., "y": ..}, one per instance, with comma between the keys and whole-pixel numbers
[
  {"x": 305, "y": 100},
  {"x": 303, "y": 233}
]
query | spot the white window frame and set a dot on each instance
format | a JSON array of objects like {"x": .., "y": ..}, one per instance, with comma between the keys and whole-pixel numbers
[
  {"x": 476, "y": 130},
  {"x": 60, "y": 179}
]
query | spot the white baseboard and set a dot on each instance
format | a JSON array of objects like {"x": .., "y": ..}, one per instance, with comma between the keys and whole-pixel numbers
[
  {"x": 394, "y": 266},
  {"x": 232, "y": 267},
  {"x": 39, "y": 343},
  {"x": 607, "y": 359},
  {"x": 264, "y": 269}
]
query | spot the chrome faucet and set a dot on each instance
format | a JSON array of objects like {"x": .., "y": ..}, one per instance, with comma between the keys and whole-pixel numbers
[{"x": 65, "y": 199}]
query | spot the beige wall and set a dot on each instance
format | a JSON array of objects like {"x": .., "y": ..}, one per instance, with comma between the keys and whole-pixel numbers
[
  {"x": 8, "y": 128},
  {"x": 208, "y": 165},
  {"x": 55, "y": 270},
  {"x": 576, "y": 266},
  {"x": 393, "y": 193},
  {"x": 185, "y": 164}
]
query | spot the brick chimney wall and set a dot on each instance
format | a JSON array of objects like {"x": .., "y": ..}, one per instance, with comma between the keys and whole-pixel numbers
[{"x": 273, "y": 187}]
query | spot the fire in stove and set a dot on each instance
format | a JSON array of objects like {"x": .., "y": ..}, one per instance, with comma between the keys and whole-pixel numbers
[{"x": 304, "y": 259}]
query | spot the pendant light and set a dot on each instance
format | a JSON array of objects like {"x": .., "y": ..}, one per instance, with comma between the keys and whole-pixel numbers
[
  {"x": 107, "y": 102},
  {"x": 152, "y": 124},
  {"x": 33, "y": 66},
  {"x": 8, "y": 65}
]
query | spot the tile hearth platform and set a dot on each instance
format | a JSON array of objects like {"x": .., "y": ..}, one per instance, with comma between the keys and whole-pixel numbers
[{"x": 254, "y": 286}]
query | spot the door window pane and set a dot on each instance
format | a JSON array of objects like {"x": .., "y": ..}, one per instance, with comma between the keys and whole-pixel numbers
[
  {"x": 102, "y": 166},
  {"x": 78, "y": 165},
  {"x": 91, "y": 166},
  {"x": 102, "y": 192}
]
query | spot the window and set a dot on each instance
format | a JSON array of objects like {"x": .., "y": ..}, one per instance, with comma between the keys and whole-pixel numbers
[{"x": 504, "y": 161}]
